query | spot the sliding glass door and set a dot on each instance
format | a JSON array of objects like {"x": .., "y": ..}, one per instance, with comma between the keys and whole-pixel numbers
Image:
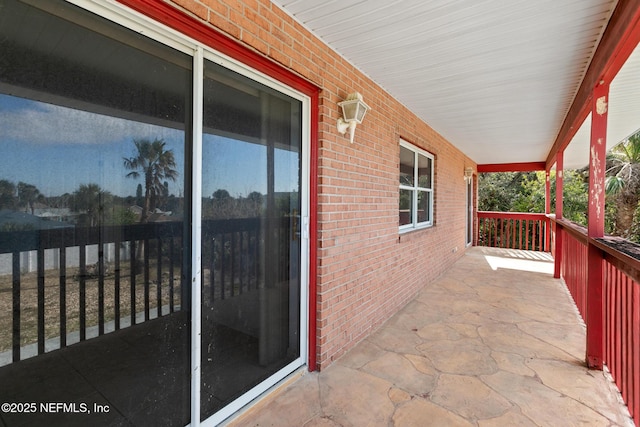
[
  {"x": 251, "y": 185},
  {"x": 133, "y": 218},
  {"x": 94, "y": 291}
]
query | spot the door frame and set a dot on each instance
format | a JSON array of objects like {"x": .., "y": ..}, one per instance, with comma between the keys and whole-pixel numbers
[{"x": 468, "y": 237}]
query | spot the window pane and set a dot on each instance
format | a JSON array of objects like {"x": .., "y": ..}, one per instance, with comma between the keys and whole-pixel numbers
[
  {"x": 92, "y": 178},
  {"x": 424, "y": 171},
  {"x": 407, "y": 163},
  {"x": 406, "y": 207},
  {"x": 424, "y": 206},
  {"x": 251, "y": 241}
]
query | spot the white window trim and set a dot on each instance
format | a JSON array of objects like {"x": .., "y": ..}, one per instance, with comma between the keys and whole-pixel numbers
[{"x": 415, "y": 225}]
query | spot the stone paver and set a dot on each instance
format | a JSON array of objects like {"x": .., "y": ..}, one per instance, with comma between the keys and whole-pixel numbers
[
  {"x": 469, "y": 397},
  {"x": 496, "y": 341}
]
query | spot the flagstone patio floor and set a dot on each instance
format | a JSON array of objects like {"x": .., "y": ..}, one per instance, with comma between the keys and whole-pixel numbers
[{"x": 495, "y": 341}]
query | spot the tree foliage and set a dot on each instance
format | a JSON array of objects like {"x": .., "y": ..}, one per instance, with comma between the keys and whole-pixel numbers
[
  {"x": 157, "y": 164},
  {"x": 28, "y": 195},
  {"x": 622, "y": 186},
  {"x": 525, "y": 192},
  {"x": 496, "y": 191},
  {"x": 7, "y": 194},
  {"x": 94, "y": 206}
]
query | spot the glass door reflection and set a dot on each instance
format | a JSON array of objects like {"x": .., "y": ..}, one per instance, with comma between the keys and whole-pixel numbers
[{"x": 250, "y": 235}]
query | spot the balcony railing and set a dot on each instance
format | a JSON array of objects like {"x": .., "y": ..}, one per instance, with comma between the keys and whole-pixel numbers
[
  {"x": 68, "y": 285},
  {"x": 514, "y": 230},
  {"x": 620, "y": 300},
  {"x": 573, "y": 267},
  {"x": 621, "y": 284}
]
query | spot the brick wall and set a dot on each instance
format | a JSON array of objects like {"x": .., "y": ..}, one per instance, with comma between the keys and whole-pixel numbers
[{"x": 366, "y": 269}]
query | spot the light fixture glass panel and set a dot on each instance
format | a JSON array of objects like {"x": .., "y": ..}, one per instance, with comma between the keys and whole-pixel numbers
[
  {"x": 362, "y": 110},
  {"x": 349, "y": 110}
]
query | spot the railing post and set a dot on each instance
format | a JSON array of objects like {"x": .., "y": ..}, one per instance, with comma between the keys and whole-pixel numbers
[
  {"x": 559, "y": 213},
  {"x": 595, "y": 308},
  {"x": 547, "y": 208},
  {"x": 16, "y": 305}
]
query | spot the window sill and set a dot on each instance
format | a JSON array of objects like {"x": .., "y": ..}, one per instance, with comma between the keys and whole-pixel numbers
[{"x": 410, "y": 233}]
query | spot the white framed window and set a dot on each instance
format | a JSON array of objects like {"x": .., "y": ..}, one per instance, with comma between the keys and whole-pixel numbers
[{"x": 415, "y": 206}]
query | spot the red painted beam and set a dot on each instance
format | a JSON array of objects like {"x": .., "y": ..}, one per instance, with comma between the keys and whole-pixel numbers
[
  {"x": 547, "y": 191},
  {"x": 621, "y": 36},
  {"x": 313, "y": 235},
  {"x": 560, "y": 185},
  {"x": 595, "y": 229},
  {"x": 559, "y": 207},
  {"x": 512, "y": 167},
  {"x": 512, "y": 215}
]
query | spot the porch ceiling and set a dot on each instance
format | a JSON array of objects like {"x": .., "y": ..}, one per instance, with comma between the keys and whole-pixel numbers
[{"x": 495, "y": 78}]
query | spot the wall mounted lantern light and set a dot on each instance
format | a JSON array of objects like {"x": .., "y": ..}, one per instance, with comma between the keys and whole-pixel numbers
[
  {"x": 468, "y": 173},
  {"x": 353, "y": 111}
]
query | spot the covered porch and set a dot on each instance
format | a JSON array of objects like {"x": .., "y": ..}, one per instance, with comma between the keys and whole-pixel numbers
[
  {"x": 495, "y": 341},
  {"x": 310, "y": 266}
]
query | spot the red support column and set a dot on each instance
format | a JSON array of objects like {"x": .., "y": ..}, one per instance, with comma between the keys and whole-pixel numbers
[
  {"x": 547, "y": 192},
  {"x": 559, "y": 204},
  {"x": 547, "y": 208},
  {"x": 595, "y": 273},
  {"x": 559, "y": 184}
]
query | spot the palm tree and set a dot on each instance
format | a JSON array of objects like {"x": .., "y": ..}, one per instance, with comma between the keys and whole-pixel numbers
[
  {"x": 7, "y": 194},
  {"x": 92, "y": 202},
  {"x": 623, "y": 183},
  {"x": 157, "y": 165},
  {"x": 28, "y": 194}
]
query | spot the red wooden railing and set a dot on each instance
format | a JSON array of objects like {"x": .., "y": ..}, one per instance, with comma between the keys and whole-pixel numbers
[
  {"x": 621, "y": 302},
  {"x": 514, "y": 230},
  {"x": 573, "y": 268},
  {"x": 622, "y": 323},
  {"x": 621, "y": 284}
]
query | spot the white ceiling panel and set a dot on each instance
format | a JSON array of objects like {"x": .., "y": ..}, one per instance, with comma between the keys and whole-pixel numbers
[{"x": 494, "y": 77}]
